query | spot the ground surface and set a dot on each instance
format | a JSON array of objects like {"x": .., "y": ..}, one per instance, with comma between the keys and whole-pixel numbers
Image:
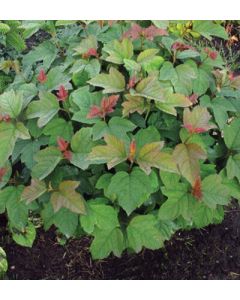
[{"x": 210, "y": 253}]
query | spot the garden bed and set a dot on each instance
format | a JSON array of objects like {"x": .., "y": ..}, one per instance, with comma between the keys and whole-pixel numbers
[{"x": 210, "y": 253}]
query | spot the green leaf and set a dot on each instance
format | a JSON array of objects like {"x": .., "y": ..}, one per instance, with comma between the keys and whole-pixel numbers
[
  {"x": 11, "y": 103},
  {"x": 25, "y": 238},
  {"x": 118, "y": 51},
  {"x": 186, "y": 73},
  {"x": 171, "y": 101},
  {"x": 3, "y": 263},
  {"x": 231, "y": 135},
  {"x": 134, "y": 104},
  {"x": 99, "y": 214},
  {"x": 44, "y": 109},
  {"x": 204, "y": 215},
  {"x": 45, "y": 52},
  {"x": 8, "y": 139},
  {"x": 22, "y": 131},
  {"x": 179, "y": 203},
  {"x": 47, "y": 159},
  {"x": 86, "y": 44},
  {"x": 67, "y": 197},
  {"x": 201, "y": 83},
  {"x": 187, "y": 158},
  {"x": 209, "y": 29},
  {"x": 56, "y": 77},
  {"x": 146, "y": 136},
  {"x": 168, "y": 73},
  {"x": 214, "y": 192},
  {"x": 33, "y": 191},
  {"x": 58, "y": 128},
  {"x": 66, "y": 221},
  {"x": 146, "y": 55},
  {"x": 117, "y": 126},
  {"x": 197, "y": 119},
  {"x": 85, "y": 100},
  {"x": 107, "y": 241},
  {"x": 113, "y": 153},
  {"x": 82, "y": 145},
  {"x": 16, "y": 209},
  {"x": 144, "y": 231},
  {"x": 150, "y": 156},
  {"x": 233, "y": 167},
  {"x": 150, "y": 88},
  {"x": 130, "y": 190},
  {"x": 114, "y": 82},
  {"x": 5, "y": 178}
]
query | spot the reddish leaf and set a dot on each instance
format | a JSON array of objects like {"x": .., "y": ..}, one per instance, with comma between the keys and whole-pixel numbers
[
  {"x": 5, "y": 118},
  {"x": 90, "y": 52},
  {"x": 177, "y": 46},
  {"x": 42, "y": 77},
  {"x": 193, "y": 98},
  {"x": 67, "y": 155},
  {"x": 62, "y": 144},
  {"x": 197, "y": 120},
  {"x": 62, "y": 93},
  {"x": 197, "y": 188},
  {"x": 132, "y": 82},
  {"x": 136, "y": 31},
  {"x": 106, "y": 107},
  {"x": 211, "y": 54},
  {"x": 3, "y": 171},
  {"x": 132, "y": 151}
]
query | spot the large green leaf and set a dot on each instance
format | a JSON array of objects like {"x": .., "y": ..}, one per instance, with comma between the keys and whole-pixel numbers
[
  {"x": 66, "y": 221},
  {"x": 99, "y": 214},
  {"x": 233, "y": 167},
  {"x": 187, "y": 158},
  {"x": 47, "y": 159},
  {"x": 209, "y": 29},
  {"x": 45, "y": 52},
  {"x": 33, "y": 191},
  {"x": 85, "y": 100},
  {"x": 116, "y": 126},
  {"x": 145, "y": 231},
  {"x": 118, "y": 51},
  {"x": 179, "y": 203},
  {"x": 67, "y": 197},
  {"x": 130, "y": 190},
  {"x": 44, "y": 109},
  {"x": 204, "y": 215},
  {"x": 58, "y": 128},
  {"x": 214, "y": 192},
  {"x": 8, "y": 139},
  {"x": 26, "y": 237},
  {"x": 82, "y": 145},
  {"x": 231, "y": 135},
  {"x": 112, "y": 153},
  {"x": 56, "y": 77},
  {"x": 113, "y": 82},
  {"x": 11, "y": 103},
  {"x": 150, "y": 88},
  {"x": 107, "y": 241}
]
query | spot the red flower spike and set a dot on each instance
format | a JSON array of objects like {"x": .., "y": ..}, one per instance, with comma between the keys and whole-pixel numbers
[
  {"x": 3, "y": 171},
  {"x": 67, "y": 155},
  {"x": 231, "y": 76},
  {"x": 89, "y": 53},
  {"x": 42, "y": 77},
  {"x": 62, "y": 94},
  {"x": 197, "y": 189},
  {"x": 132, "y": 151},
  {"x": 62, "y": 144},
  {"x": 106, "y": 107},
  {"x": 5, "y": 118}
]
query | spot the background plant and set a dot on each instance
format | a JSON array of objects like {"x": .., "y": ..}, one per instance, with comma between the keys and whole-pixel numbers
[{"x": 124, "y": 131}]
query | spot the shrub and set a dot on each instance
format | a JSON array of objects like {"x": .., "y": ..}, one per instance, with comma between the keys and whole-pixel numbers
[{"x": 122, "y": 131}]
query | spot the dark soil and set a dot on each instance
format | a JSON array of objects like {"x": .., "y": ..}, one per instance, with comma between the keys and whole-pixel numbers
[{"x": 210, "y": 253}]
